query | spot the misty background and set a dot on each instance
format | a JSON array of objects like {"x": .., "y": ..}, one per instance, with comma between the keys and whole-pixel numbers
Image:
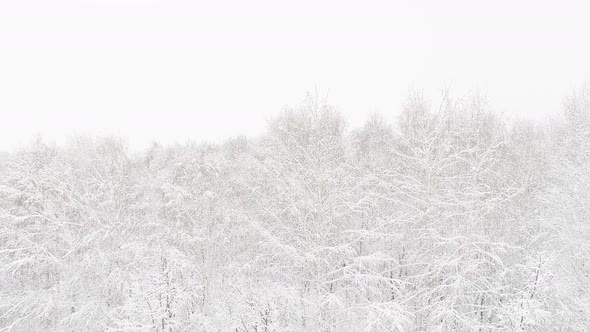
[{"x": 177, "y": 70}]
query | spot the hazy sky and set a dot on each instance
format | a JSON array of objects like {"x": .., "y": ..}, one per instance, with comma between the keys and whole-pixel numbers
[{"x": 172, "y": 70}]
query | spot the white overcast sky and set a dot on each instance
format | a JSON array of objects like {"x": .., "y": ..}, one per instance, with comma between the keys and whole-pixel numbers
[{"x": 173, "y": 70}]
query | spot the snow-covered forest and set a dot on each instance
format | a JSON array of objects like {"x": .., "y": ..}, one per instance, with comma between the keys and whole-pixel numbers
[{"x": 452, "y": 218}]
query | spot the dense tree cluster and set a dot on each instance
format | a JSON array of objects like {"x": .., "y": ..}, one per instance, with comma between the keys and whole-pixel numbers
[{"x": 454, "y": 219}]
